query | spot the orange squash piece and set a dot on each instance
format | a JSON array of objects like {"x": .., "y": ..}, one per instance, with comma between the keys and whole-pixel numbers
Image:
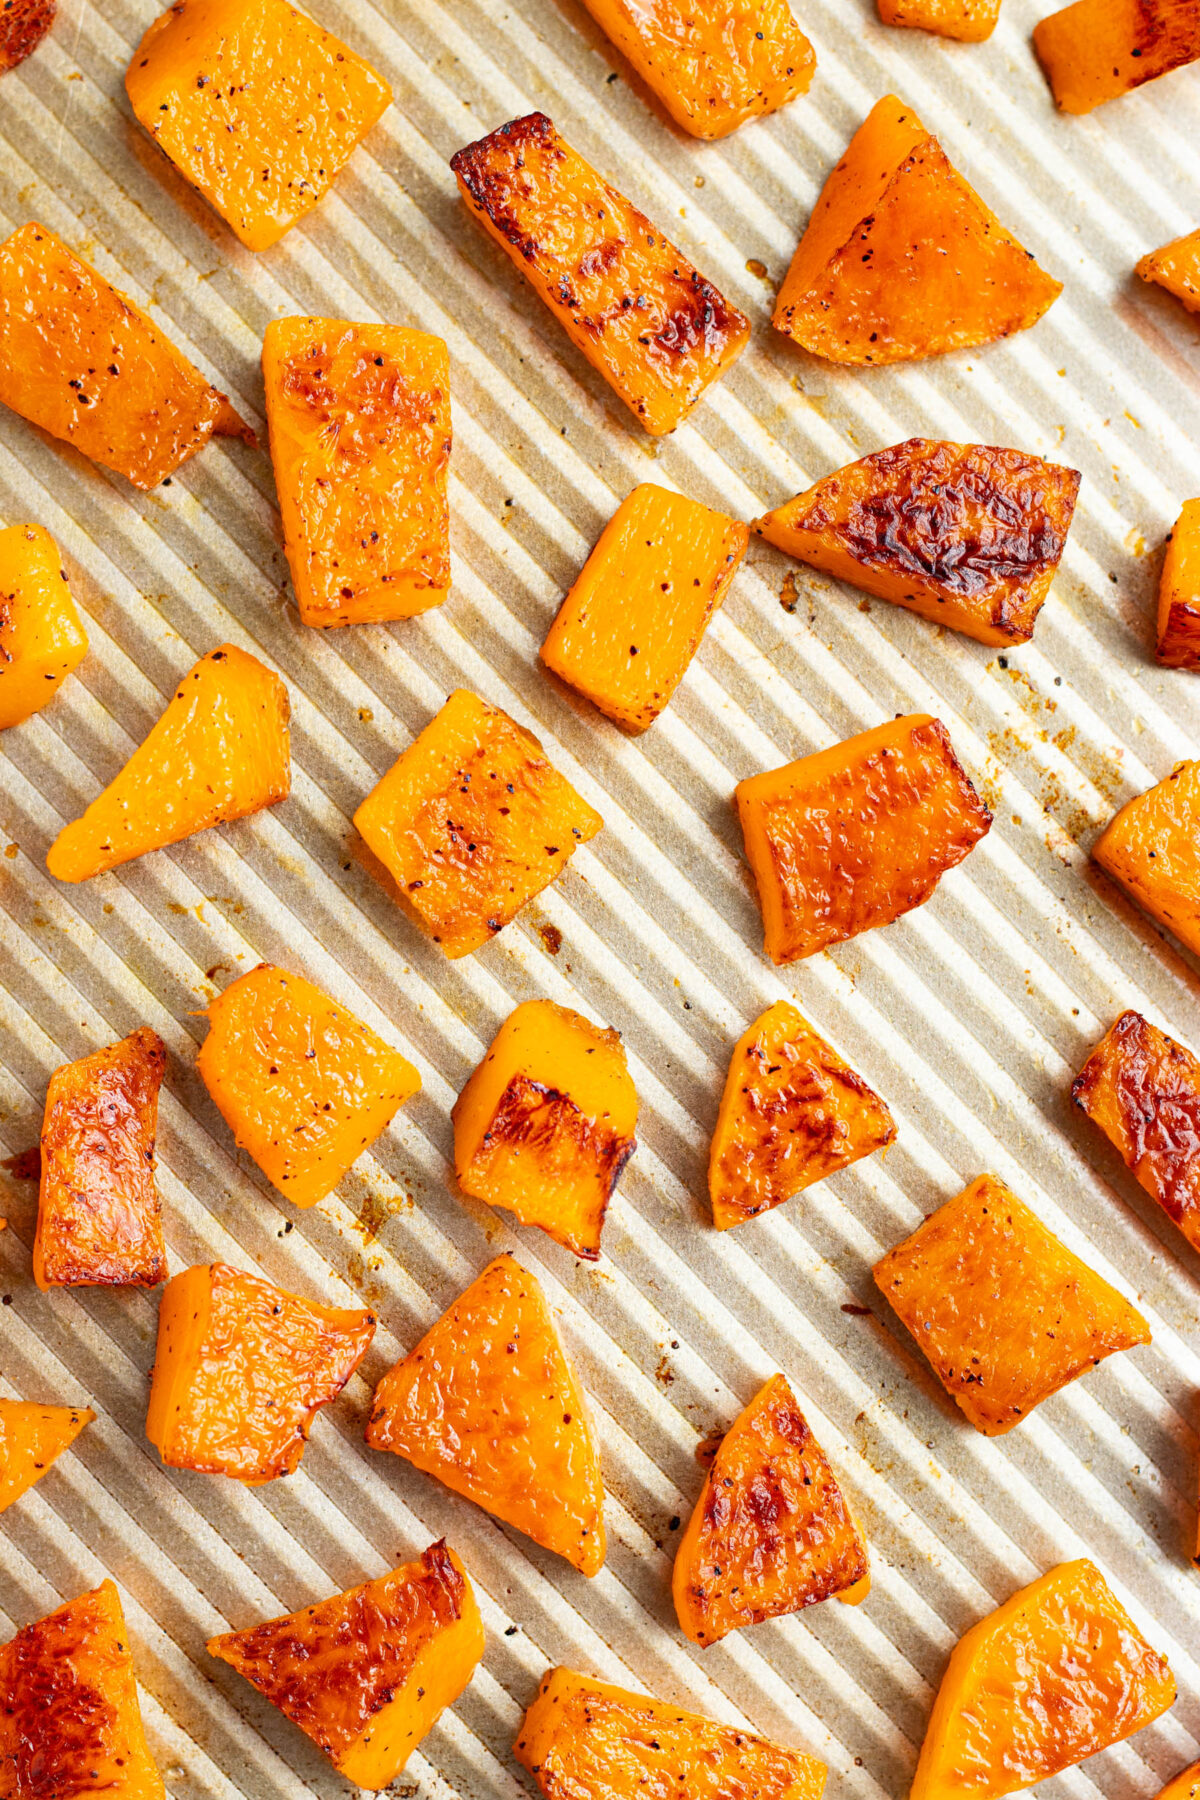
[
  {"x": 241, "y": 1370},
  {"x": 1150, "y": 848},
  {"x": 854, "y": 836},
  {"x": 359, "y": 419},
  {"x": 632, "y": 622},
  {"x": 488, "y": 1402},
  {"x": 1176, "y": 267},
  {"x": 367, "y": 1673},
  {"x": 471, "y": 822},
  {"x": 256, "y": 106},
  {"x": 219, "y": 752},
  {"x": 901, "y": 258},
  {"x": 1057, "y": 1673},
  {"x": 545, "y": 1125},
  {"x": 31, "y": 1438},
  {"x": 99, "y": 1220},
  {"x": 41, "y": 637},
  {"x": 969, "y": 21},
  {"x": 23, "y": 25},
  {"x": 966, "y": 535},
  {"x": 1179, "y": 593},
  {"x": 1184, "y": 1786},
  {"x": 303, "y": 1085},
  {"x": 657, "y": 331},
  {"x": 792, "y": 1113},
  {"x": 1097, "y": 50},
  {"x": 1006, "y": 1314},
  {"x": 82, "y": 362}
]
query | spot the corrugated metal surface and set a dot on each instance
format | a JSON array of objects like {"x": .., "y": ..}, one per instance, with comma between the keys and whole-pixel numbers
[{"x": 969, "y": 1016}]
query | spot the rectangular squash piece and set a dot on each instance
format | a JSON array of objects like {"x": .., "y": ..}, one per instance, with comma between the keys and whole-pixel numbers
[
  {"x": 1176, "y": 267},
  {"x": 968, "y": 21},
  {"x": 657, "y": 331},
  {"x": 1097, "y": 50},
  {"x": 1150, "y": 847},
  {"x": 359, "y": 419},
  {"x": 1178, "y": 644},
  {"x": 41, "y": 637}
]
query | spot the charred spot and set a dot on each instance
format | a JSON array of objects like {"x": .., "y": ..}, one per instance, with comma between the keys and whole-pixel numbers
[
  {"x": 1165, "y": 36},
  {"x": 23, "y": 25},
  {"x": 493, "y": 171},
  {"x": 1143, "y": 1090}
]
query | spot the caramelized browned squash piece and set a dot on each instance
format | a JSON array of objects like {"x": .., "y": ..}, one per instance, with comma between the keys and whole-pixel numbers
[
  {"x": 1176, "y": 267},
  {"x": 970, "y": 21},
  {"x": 1150, "y": 847},
  {"x": 41, "y": 638},
  {"x": 367, "y": 1673},
  {"x": 901, "y": 258},
  {"x": 657, "y": 331},
  {"x": 1097, "y": 50},
  {"x": 488, "y": 1403},
  {"x": 967, "y": 535},
  {"x": 23, "y": 25},
  {"x": 1006, "y": 1314},
  {"x": 31, "y": 1437},
  {"x": 853, "y": 836},
  {"x": 1179, "y": 592}
]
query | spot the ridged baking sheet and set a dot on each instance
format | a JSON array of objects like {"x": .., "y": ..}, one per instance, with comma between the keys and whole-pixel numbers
[{"x": 969, "y": 1016}]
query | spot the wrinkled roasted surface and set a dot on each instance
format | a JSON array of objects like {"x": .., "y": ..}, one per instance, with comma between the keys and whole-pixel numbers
[
  {"x": 23, "y": 25},
  {"x": 1178, "y": 644},
  {"x": 359, "y": 420},
  {"x": 852, "y": 837},
  {"x": 770, "y": 1533},
  {"x": 1055, "y": 1674},
  {"x": 1006, "y": 1314},
  {"x": 471, "y": 822},
  {"x": 41, "y": 638},
  {"x": 1097, "y": 50},
  {"x": 82, "y": 362},
  {"x": 31, "y": 1437},
  {"x": 256, "y": 106},
  {"x": 1176, "y": 267},
  {"x": 99, "y": 1220},
  {"x": 657, "y": 331},
  {"x": 587, "y": 1740},
  {"x": 1150, "y": 847},
  {"x": 967, "y": 535},
  {"x": 488, "y": 1403},
  {"x": 969, "y": 21},
  {"x": 303, "y": 1085}
]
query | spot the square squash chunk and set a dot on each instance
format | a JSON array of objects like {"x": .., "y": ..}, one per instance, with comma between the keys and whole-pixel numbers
[
  {"x": 41, "y": 638},
  {"x": 1150, "y": 848}
]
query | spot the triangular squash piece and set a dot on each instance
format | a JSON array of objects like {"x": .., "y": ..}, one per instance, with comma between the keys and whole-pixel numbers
[
  {"x": 771, "y": 1532},
  {"x": 1176, "y": 267},
  {"x": 488, "y": 1403},
  {"x": 1055, "y": 1674},
  {"x": 219, "y": 752},
  {"x": 30, "y": 1439},
  {"x": 901, "y": 258}
]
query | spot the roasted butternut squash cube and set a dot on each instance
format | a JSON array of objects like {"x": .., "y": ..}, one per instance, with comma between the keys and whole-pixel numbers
[
  {"x": 31, "y": 1438},
  {"x": 967, "y": 535},
  {"x": 792, "y": 1113},
  {"x": 256, "y": 106},
  {"x": 219, "y": 752},
  {"x": 1006, "y": 1314},
  {"x": 545, "y": 1125},
  {"x": 99, "y": 1219},
  {"x": 969, "y": 21},
  {"x": 23, "y": 25},
  {"x": 587, "y": 1740},
  {"x": 367, "y": 1673},
  {"x": 303, "y": 1085},
  {"x": 901, "y": 258},
  {"x": 657, "y": 331},
  {"x": 633, "y": 620},
  {"x": 854, "y": 836},
  {"x": 1150, "y": 848},
  {"x": 489, "y": 1403},
  {"x": 1184, "y": 1786},
  {"x": 359, "y": 418},
  {"x": 1176, "y": 267},
  {"x": 1097, "y": 50},
  {"x": 1055, "y": 1674},
  {"x": 41, "y": 637},
  {"x": 241, "y": 1370},
  {"x": 1179, "y": 593},
  {"x": 82, "y": 362},
  {"x": 471, "y": 822}
]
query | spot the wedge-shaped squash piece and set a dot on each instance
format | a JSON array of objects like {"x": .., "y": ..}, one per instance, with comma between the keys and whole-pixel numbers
[
  {"x": 256, "y": 106},
  {"x": 792, "y": 1113},
  {"x": 241, "y": 1370},
  {"x": 219, "y": 752},
  {"x": 901, "y": 258},
  {"x": 471, "y": 822},
  {"x": 1055, "y": 1674},
  {"x": 587, "y": 1740},
  {"x": 1150, "y": 847},
  {"x": 970, "y": 21},
  {"x": 41, "y": 638},
  {"x": 1097, "y": 50},
  {"x": 488, "y": 1403},
  {"x": 31, "y": 1437},
  {"x": 99, "y": 1219},
  {"x": 633, "y": 621},
  {"x": 1185, "y": 1786},
  {"x": 367, "y": 1673},
  {"x": 302, "y": 1084},
  {"x": 359, "y": 418},
  {"x": 82, "y": 362},
  {"x": 1006, "y": 1314},
  {"x": 70, "y": 1722},
  {"x": 657, "y": 331},
  {"x": 854, "y": 836},
  {"x": 23, "y": 25},
  {"x": 546, "y": 1123},
  {"x": 964, "y": 534},
  {"x": 1179, "y": 593},
  {"x": 1176, "y": 267}
]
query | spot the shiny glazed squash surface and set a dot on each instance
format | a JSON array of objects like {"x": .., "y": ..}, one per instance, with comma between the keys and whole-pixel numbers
[
  {"x": 23, "y": 25},
  {"x": 31, "y": 1437},
  {"x": 968, "y": 21},
  {"x": 1178, "y": 645},
  {"x": 1176, "y": 267},
  {"x": 41, "y": 637},
  {"x": 1097, "y": 50},
  {"x": 1150, "y": 847}
]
